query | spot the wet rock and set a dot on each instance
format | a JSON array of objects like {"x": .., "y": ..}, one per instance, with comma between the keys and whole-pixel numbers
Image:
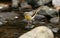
[{"x": 38, "y": 32}]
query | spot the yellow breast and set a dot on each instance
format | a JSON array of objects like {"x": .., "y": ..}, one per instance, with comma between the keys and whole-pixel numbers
[{"x": 28, "y": 17}]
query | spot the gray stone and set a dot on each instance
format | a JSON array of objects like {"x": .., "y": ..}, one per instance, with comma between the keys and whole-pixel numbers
[
  {"x": 38, "y": 32},
  {"x": 55, "y": 30},
  {"x": 38, "y": 2},
  {"x": 54, "y": 20},
  {"x": 43, "y": 23},
  {"x": 45, "y": 10},
  {"x": 30, "y": 26},
  {"x": 56, "y": 2},
  {"x": 4, "y": 6},
  {"x": 39, "y": 17},
  {"x": 15, "y": 3},
  {"x": 2, "y": 20},
  {"x": 42, "y": 2},
  {"x": 9, "y": 15}
]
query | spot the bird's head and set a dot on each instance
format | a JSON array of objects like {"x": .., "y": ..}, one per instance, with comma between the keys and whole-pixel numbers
[{"x": 27, "y": 16}]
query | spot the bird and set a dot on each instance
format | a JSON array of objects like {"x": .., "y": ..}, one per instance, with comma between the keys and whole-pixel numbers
[{"x": 29, "y": 16}]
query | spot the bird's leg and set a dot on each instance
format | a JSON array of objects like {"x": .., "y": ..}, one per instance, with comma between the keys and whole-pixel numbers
[
  {"x": 29, "y": 25},
  {"x": 29, "y": 22}
]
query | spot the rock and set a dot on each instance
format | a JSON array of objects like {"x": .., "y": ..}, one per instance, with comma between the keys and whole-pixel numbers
[
  {"x": 29, "y": 26},
  {"x": 15, "y": 3},
  {"x": 42, "y": 23},
  {"x": 38, "y": 32},
  {"x": 55, "y": 30},
  {"x": 39, "y": 17},
  {"x": 45, "y": 10},
  {"x": 24, "y": 20},
  {"x": 42, "y": 2},
  {"x": 9, "y": 15},
  {"x": 59, "y": 32},
  {"x": 2, "y": 20},
  {"x": 54, "y": 20},
  {"x": 16, "y": 34},
  {"x": 56, "y": 2},
  {"x": 4, "y": 6},
  {"x": 33, "y": 3},
  {"x": 37, "y": 3},
  {"x": 51, "y": 26},
  {"x": 25, "y": 6}
]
